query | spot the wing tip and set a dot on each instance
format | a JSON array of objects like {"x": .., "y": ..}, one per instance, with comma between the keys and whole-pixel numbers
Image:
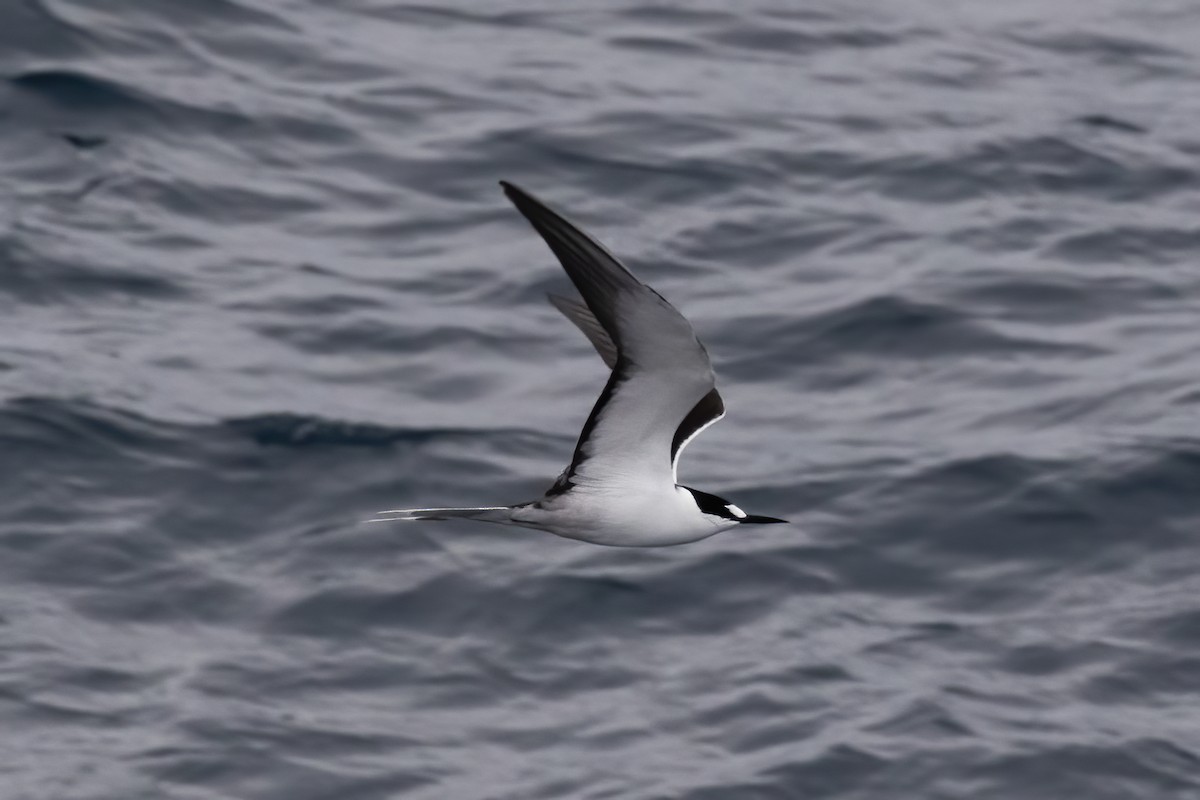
[
  {"x": 513, "y": 191},
  {"x": 525, "y": 202}
]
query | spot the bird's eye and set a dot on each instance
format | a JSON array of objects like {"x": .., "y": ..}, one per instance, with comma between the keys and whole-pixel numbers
[{"x": 737, "y": 512}]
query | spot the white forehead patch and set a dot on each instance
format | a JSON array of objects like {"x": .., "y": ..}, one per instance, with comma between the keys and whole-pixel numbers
[{"x": 737, "y": 512}]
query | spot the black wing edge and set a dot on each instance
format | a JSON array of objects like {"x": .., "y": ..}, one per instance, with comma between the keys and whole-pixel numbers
[
  {"x": 596, "y": 273},
  {"x": 709, "y": 408},
  {"x": 618, "y": 376}
]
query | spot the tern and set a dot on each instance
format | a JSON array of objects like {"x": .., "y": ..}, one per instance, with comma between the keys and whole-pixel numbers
[{"x": 621, "y": 487}]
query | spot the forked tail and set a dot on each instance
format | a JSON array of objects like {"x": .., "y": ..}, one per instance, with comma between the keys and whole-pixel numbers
[{"x": 499, "y": 514}]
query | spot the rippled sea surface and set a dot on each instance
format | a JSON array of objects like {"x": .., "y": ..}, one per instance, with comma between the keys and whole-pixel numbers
[{"x": 257, "y": 281}]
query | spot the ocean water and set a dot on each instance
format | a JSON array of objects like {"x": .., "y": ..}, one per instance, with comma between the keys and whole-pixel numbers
[{"x": 258, "y": 281}]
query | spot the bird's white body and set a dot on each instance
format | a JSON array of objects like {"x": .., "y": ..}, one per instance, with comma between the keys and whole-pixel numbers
[
  {"x": 620, "y": 488},
  {"x": 651, "y": 518}
]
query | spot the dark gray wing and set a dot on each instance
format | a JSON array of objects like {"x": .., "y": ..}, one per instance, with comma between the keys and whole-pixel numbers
[
  {"x": 661, "y": 392},
  {"x": 586, "y": 321}
]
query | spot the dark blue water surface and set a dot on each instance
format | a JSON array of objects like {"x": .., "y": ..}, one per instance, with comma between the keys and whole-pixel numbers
[{"x": 257, "y": 281}]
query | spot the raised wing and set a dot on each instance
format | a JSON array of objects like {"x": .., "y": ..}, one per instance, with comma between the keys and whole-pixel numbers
[{"x": 661, "y": 392}]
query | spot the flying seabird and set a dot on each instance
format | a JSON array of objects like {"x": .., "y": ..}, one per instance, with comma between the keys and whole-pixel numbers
[{"x": 621, "y": 487}]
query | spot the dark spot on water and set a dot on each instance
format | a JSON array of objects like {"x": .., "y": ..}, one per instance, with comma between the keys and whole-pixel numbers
[
  {"x": 84, "y": 141},
  {"x": 1110, "y": 123},
  {"x": 77, "y": 90}
]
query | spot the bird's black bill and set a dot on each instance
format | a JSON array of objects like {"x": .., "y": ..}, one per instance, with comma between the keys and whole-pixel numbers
[{"x": 753, "y": 519}]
